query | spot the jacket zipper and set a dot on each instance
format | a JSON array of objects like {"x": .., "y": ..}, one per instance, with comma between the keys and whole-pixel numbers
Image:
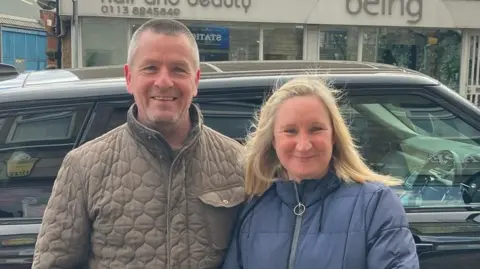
[
  {"x": 298, "y": 210},
  {"x": 169, "y": 195}
]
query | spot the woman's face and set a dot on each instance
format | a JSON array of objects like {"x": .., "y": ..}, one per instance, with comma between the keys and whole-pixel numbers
[{"x": 303, "y": 137}]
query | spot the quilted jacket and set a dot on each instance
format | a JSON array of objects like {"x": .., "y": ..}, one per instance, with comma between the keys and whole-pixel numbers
[{"x": 124, "y": 200}]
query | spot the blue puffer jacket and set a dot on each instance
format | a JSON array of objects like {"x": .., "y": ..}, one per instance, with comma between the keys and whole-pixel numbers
[{"x": 353, "y": 226}]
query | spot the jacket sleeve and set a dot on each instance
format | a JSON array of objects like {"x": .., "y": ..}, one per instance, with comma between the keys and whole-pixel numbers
[
  {"x": 63, "y": 237},
  {"x": 390, "y": 242}
]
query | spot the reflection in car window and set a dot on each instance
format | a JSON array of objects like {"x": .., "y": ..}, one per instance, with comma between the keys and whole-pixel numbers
[
  {"x": 412, "y": 138},
  {"x": 33, "y": 144},
  {"x": 432, "y": 121}
]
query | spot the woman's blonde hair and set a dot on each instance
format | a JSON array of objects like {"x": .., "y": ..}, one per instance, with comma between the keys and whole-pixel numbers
[{"x": 261, "y": 161}]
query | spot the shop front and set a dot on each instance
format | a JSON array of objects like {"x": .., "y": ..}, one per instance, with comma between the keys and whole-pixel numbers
[{"x": 430, "y": 36}]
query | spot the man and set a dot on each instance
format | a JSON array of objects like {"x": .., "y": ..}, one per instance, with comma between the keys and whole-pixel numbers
[{"x": 160, "y": 191}]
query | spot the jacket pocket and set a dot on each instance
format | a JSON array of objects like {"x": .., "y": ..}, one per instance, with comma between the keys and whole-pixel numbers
[{"x": 220, "y": 209}]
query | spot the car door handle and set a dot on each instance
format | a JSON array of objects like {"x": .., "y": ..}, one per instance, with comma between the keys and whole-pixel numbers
[{"x": 424, "y": 247}]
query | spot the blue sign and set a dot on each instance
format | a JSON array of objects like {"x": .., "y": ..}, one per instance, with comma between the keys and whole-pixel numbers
[{"x": 211, "y": 37}]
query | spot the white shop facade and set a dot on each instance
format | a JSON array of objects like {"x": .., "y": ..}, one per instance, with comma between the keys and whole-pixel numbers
[{"x": 436, "y": 37}]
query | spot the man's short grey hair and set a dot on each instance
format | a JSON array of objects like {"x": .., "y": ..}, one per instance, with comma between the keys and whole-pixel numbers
[{"x": 166, "y": 27}]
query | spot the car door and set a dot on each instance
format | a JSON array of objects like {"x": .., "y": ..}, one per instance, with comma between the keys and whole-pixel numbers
[
  {"x": 34, "y": 140},
  {"x": 412, "y": 134}
]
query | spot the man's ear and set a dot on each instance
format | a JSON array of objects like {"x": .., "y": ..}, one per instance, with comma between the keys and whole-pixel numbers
[
  {"x": 197, "y": 81},
  {"x": 128, "y": 77}
]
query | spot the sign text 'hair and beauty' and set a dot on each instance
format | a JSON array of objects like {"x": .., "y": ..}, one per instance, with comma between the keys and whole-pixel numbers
[{"x": 165, "y": 8}]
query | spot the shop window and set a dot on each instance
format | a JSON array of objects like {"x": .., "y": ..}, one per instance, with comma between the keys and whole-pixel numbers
[
  {"x": 435, "y": 52},
  {"x": 223, "y": 42},
  {"x": 338, "y": 44},
  {"x": 283, "y": 43},
  {"x": 213, "y": 42},
  {"x": 104, "y": 41},
  {"x": 226, "y": 42},
  {"x": 244, "y": 43}
]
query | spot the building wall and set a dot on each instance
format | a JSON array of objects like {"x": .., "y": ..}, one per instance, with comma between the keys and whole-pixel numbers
[
  {"x": 404, "y": 13},
  {"x": 48, "y": 20},
  {"x": 424, "y": 35},
  {"x": 67, "y": 50}
]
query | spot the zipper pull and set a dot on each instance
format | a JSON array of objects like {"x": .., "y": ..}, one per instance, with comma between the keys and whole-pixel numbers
[{"x": 299, "y": 209}]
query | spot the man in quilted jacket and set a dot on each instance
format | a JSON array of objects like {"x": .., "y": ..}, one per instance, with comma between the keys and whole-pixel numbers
[{"x": 162, "y": 190}]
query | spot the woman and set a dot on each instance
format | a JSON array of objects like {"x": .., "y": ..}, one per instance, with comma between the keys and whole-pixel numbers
[{"x": 313, "y": 201}]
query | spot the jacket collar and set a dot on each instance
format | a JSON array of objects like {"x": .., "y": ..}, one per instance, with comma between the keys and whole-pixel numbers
[
  {"x": 154, "y": 140},
  {"x": 309, "y": 190}
]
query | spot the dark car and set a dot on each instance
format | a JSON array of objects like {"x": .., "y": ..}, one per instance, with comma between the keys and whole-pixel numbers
[{"x": 405, "y": 123}]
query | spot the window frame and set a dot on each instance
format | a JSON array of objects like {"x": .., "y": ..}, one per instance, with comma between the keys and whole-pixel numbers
[
  {"x": 19, "y": 121},
  {"x": 440, "y": 95},
  {"x": 64, "y": 106}
]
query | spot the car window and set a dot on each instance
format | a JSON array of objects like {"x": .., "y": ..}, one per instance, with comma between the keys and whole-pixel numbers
[
  {"x": 106, "y": 117},
  {"x": 230, "y": 118},
  {"x": 416, "y": 139},
  {"x": 33, "y": 144},
  {"x": 42, "y": 127}
]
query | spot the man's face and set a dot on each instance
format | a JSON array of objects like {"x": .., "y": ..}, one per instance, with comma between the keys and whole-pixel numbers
[{"x": 163, "y": 78}]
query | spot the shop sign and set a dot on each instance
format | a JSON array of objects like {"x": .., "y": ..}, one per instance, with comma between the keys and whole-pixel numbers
[
  {"x": 211, "y": 37},
  {"x": 165, "y": 8},
  {"x": 411, "y": 8}
]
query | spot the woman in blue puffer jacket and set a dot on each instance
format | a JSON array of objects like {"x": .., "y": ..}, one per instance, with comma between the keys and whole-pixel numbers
[{"x": 314, "y": 204}]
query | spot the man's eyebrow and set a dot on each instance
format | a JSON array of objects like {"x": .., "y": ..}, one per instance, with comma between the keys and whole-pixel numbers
[
  {"x": 180, "y": 62},
  {"x": 148, "y": 61}
]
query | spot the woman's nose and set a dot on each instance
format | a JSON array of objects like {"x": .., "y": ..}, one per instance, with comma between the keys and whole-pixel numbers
[{"x": 304, "y": 143}]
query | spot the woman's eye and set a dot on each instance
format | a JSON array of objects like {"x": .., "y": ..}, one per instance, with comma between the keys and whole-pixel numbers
[{"x": 291, "y": 131}]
